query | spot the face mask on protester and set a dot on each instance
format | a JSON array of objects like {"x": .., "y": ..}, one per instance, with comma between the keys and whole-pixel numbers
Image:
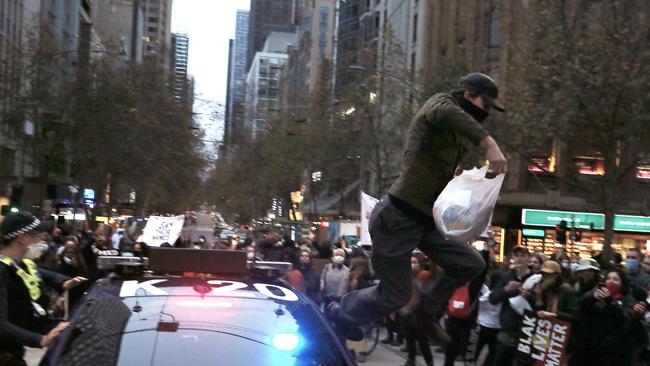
[
  {"x": 68, "y": 261},
  {"x": 338, "y": 259},
  {"x": 250, "y": 256},
  {"x": 479, "y": 114},
  {"x": 632, "y": 264},
  {"x": 415, "y": 266},
  {"x": 614, "y": 289},
  {"x": 566, "y": 265}
]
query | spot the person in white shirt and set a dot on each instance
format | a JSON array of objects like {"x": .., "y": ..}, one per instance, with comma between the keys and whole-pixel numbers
[{"x": 488, "y": 319}]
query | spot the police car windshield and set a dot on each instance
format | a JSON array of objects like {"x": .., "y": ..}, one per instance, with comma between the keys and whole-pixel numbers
[{"x": 226, "y": 330}]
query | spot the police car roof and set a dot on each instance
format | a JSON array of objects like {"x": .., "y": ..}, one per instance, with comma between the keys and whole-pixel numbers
[{"x": 228, "y": 321}]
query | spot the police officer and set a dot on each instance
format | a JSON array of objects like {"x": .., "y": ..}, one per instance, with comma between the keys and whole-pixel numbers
[{"x": 23, "y": 318}]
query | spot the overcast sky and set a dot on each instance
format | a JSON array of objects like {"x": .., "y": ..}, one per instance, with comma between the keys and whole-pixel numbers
[{"x": 209, "y": 24}]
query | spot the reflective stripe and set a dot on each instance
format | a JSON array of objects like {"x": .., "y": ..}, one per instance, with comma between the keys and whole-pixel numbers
[{"x": 30, "y": 277}]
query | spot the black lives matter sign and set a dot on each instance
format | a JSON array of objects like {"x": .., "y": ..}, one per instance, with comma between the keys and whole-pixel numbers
[{"x": 542, "y": 342}]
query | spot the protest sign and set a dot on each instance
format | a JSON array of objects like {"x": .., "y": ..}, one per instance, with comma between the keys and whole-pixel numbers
[
  {"x": 542, "y": 342},
  {"x": 367, "y": 204},
  {"x": 161, "y": 229}
]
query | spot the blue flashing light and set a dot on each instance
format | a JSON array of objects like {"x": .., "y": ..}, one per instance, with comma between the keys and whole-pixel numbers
[{"x": 286, "y": 341}]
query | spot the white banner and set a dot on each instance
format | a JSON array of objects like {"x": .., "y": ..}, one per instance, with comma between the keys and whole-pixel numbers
[
  {"x": 162, "y": 229},
  {"x": 367, "y": 204}
]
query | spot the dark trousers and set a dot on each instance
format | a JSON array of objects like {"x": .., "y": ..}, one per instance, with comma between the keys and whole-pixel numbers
[
  {"x": 458, "y": 330},
  {"x": 505, "y": 355},
  {"x": 412, "y": 337},
  {"x": 394, "y": 326},
  {"x": 394, "y": 236},
  {"x": 12, "y": 357},
  {"x": 487, "y": 336}
]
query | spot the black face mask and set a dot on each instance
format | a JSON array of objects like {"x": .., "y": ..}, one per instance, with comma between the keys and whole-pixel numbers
[{"x": 469, "y": 107}]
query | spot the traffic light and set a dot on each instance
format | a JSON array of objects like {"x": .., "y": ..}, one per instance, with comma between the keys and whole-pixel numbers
[{"x": 560, "y": 232}]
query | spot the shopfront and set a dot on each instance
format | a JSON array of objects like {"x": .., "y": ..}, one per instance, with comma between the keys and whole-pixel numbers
[{"x": 584, "y": 231}]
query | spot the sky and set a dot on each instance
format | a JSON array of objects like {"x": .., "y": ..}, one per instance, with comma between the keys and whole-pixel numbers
[{"x": 209, "y": 24}]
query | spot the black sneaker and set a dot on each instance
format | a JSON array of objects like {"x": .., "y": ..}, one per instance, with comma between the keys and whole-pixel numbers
[{"x": 346, "y": 330}]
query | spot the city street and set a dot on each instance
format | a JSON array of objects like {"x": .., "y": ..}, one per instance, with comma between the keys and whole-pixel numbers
[{"x": 260, "y": 182}]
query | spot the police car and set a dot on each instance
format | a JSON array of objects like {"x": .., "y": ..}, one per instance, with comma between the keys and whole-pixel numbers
[{"x": 196, "y": 307}]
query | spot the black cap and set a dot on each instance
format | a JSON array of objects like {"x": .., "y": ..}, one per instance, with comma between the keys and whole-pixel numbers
[
  {"x": 18, "y": 223},
  {"x": 483, "y": 85}
]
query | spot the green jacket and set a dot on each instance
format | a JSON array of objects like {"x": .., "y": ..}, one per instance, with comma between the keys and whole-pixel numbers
[{"x": 433, "y": 149}]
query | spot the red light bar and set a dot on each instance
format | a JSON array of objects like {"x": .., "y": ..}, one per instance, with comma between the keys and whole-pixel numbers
[{"x": 206, "y": 304}]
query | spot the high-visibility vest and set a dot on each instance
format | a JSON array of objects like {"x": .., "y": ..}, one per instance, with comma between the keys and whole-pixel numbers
[{"x": 30, "y": 278}]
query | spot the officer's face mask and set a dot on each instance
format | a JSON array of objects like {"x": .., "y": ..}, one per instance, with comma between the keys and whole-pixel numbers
[{"x": 36, "y": 250}]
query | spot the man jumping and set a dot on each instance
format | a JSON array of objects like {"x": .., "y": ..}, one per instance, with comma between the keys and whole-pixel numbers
[{"x": 402, "y": 220}]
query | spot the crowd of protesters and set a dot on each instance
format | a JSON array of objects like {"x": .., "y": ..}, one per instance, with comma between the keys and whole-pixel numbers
[{"x": 605, "y": 303}]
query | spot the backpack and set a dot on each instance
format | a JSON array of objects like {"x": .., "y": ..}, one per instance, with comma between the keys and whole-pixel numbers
[{"x": 460, "y": 306}]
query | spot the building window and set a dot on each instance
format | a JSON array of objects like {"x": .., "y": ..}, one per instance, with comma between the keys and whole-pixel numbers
[
  {"x": 415, "y": 28},
  {"x": 540, "y": 164},
  {"x": 589, "y": 165},
  {"x": 643, "y": 169},
  {"x": 494, "y": 32},
  {"x": 152, "y": 29},
  {"x": 413, "y": 65}
]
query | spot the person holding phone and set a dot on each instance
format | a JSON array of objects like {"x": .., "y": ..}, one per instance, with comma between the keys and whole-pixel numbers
[{"x": 616, "y": 334}]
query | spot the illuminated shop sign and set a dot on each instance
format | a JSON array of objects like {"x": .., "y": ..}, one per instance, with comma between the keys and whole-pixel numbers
[{"x": 583, "y": 220}]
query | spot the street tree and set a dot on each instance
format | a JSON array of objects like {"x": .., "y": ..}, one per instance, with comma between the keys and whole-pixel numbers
[{"x": 586, "y": 90}]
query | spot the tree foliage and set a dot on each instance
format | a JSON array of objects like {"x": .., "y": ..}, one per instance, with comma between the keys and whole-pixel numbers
[
  {"x": 107, "y": 123},
  {"x": 586, "y": 85}
]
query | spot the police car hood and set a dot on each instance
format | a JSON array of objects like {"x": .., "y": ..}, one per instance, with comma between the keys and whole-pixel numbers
[{"x": 175, "y": 321}]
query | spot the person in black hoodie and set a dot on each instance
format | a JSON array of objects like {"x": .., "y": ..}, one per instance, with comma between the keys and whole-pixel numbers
[
  {"x": 507, "y": 287},
  {"x": 616, "y": 333},
  {"x": 305, "y": 267},
  {"x": 73, "y": 265},
  {"x": 587, "y": 279}
]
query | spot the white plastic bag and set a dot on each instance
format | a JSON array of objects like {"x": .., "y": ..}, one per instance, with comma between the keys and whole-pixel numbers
[{"x": 464, "y": 208}]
